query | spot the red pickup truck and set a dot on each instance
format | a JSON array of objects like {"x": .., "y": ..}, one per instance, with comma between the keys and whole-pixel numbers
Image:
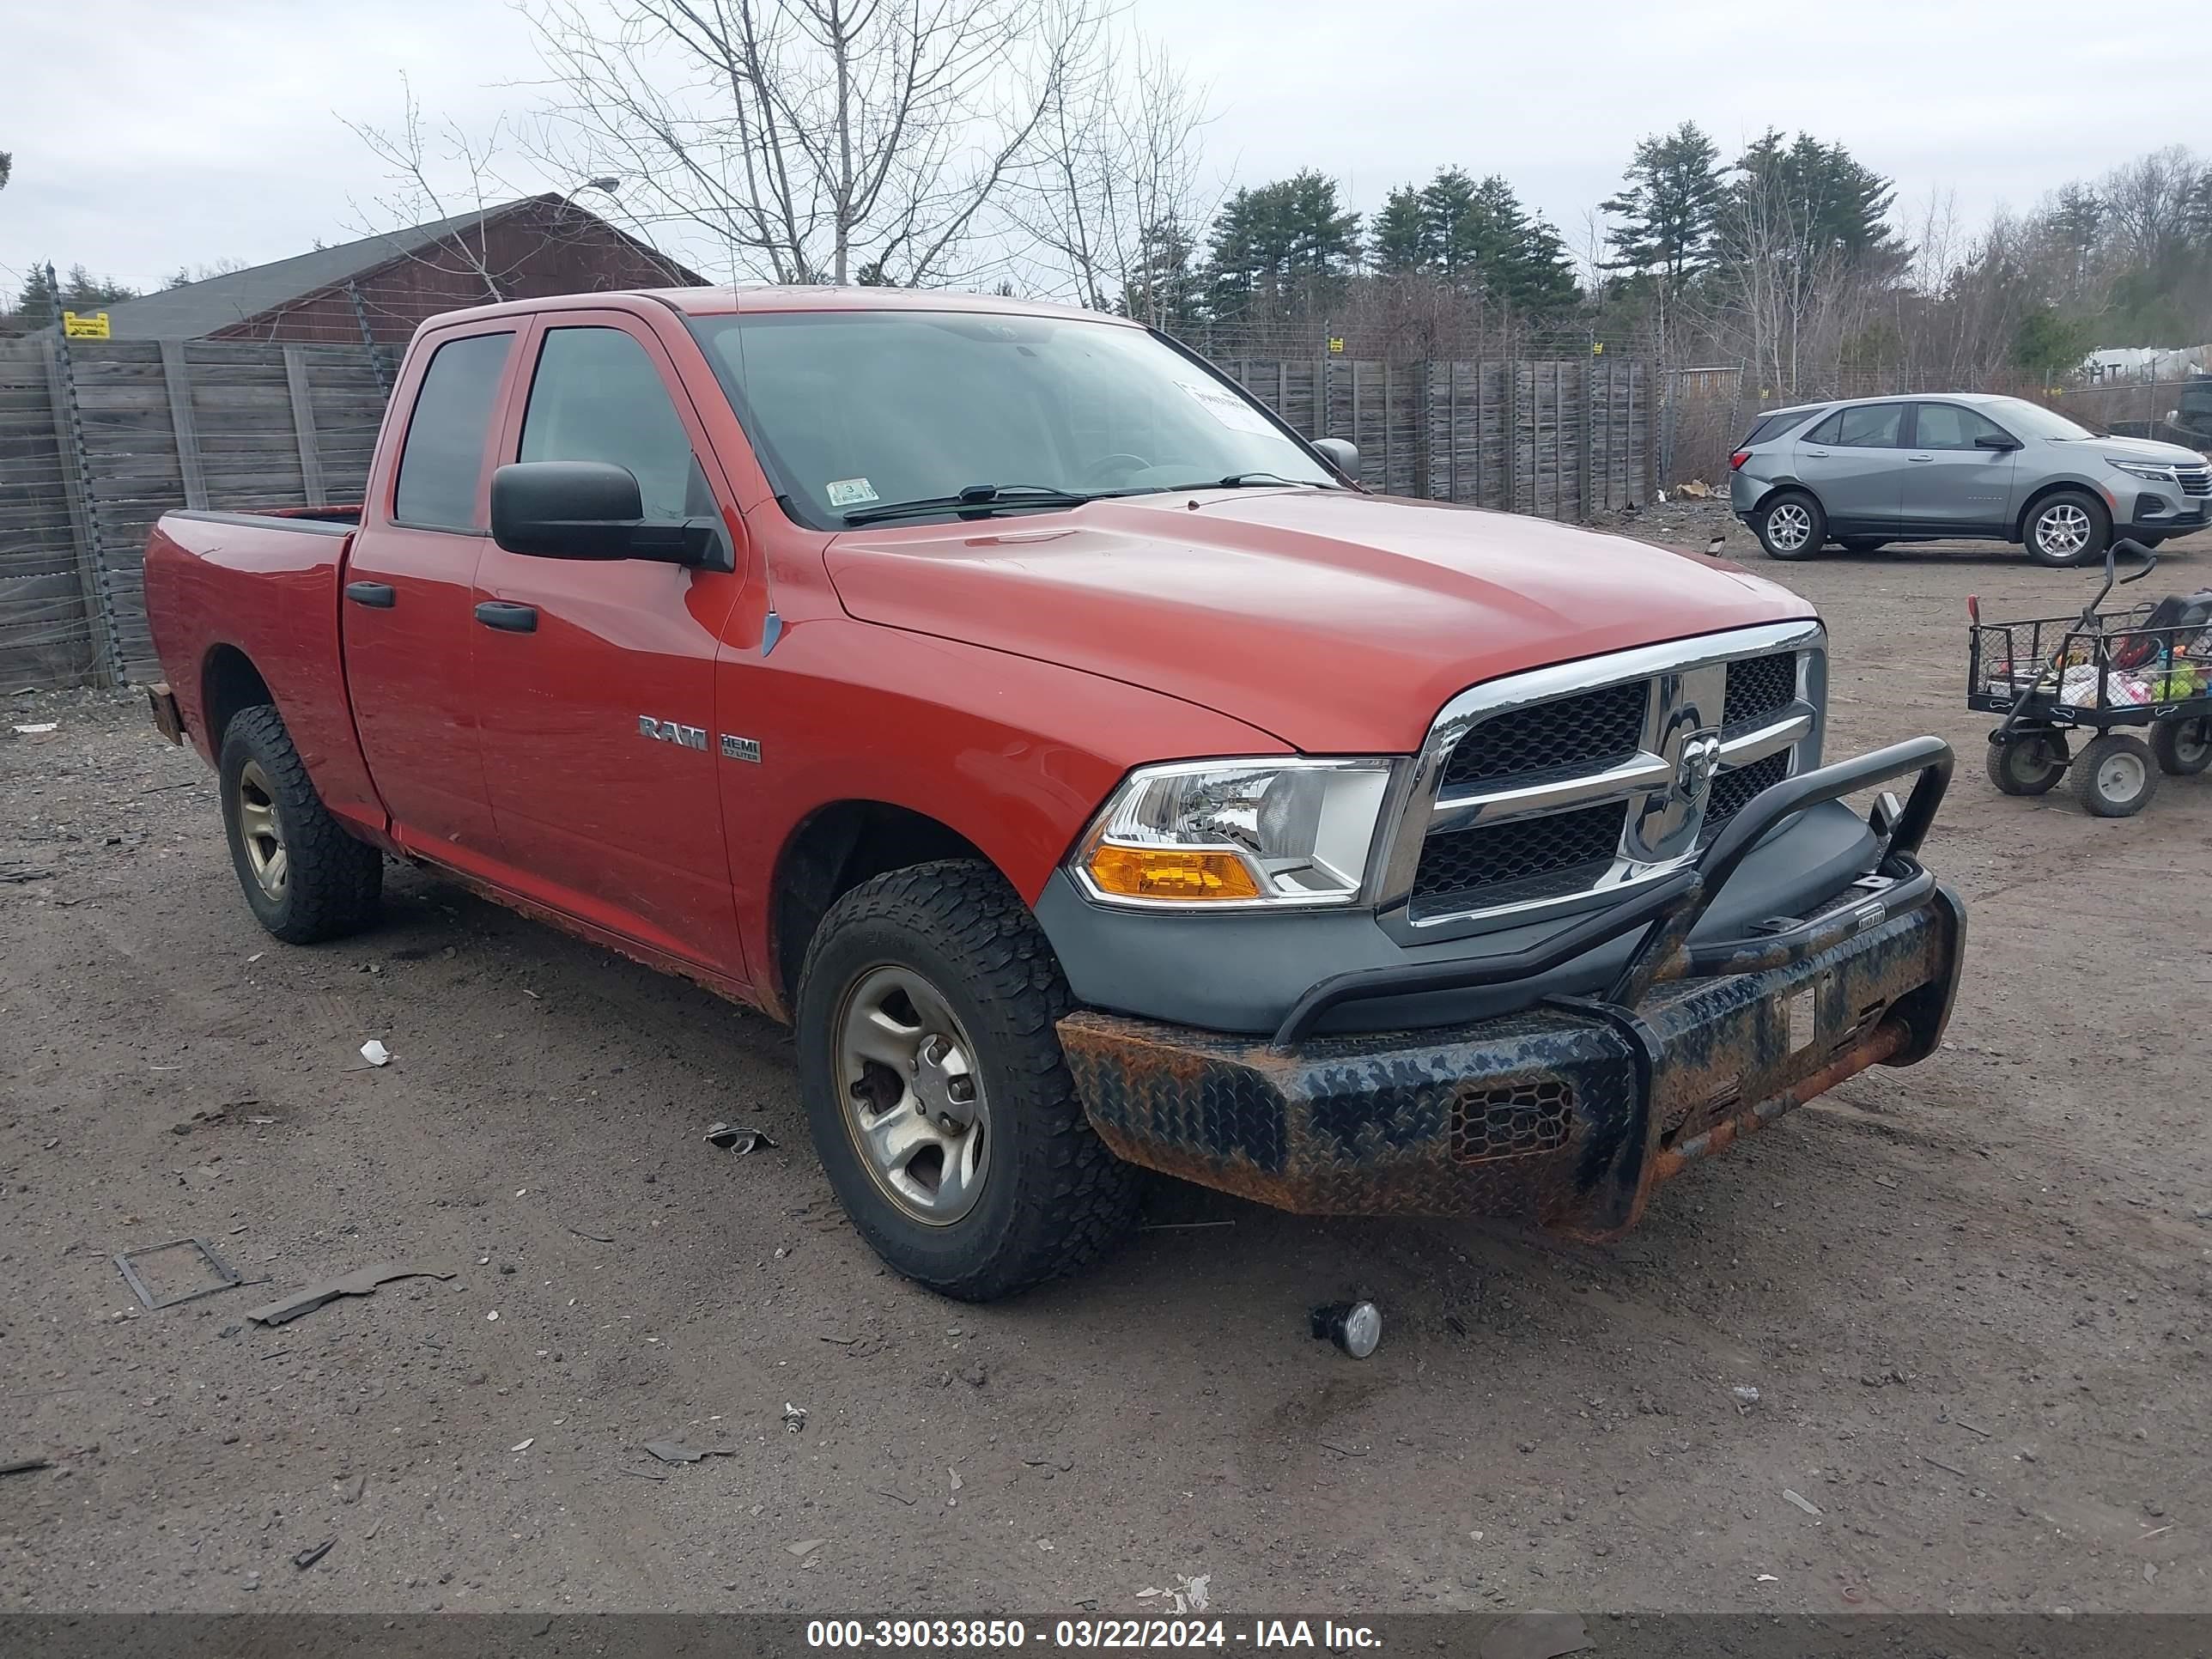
[{"x": 1092, "y": 773}]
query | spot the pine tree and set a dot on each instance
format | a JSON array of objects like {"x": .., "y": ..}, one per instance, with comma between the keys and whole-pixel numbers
[
  {"x": 1398, "y": 242},
  {"x": 1669, "y": 205},
  {"x": 1272, "y": 241}
]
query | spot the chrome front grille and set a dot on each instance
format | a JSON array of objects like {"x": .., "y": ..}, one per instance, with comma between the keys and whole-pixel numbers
[
  {"x": 2194, "y": 480},
  {"x": 1542, "y": 792}
]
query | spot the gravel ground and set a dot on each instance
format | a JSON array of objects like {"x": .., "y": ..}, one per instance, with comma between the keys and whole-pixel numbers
[{"x": 1970, "y": 1296}]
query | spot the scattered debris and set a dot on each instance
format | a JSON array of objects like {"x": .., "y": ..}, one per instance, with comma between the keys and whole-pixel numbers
[
  {"x": 1194, "y": 1591},
  {"x": 360, "y": 1282},
  {"x": 953, "y": 1501},
  {"x": 37, "y": 728},
  {"x": 351, "y": 1488},
  {"x": 1183, "y": 1227},
  {"x": 1745, "y": 1393},
  {"x": 896, "y": 1496},
  {"x": 1947, "y": 1467},
  {"x": 1063, "y": 1464},
  {"x": 596, "y": 1238},
  {"x": 1340, "y": 1450},
  {"x": 1974, "y": 1428},
  {"x": 1356, "y": 1327},
  {"x": 794, "y": 1418},
  {"x": 1535, "y": 1636},
  {"x": 806, "y": 1547},
  {"x": 19, "y": 873},
  {"x": 308, "y": 1557},
  {"x": 25, "y": 1465},
  {"x": 524, "y": 1445},
  {"x": 375, "y": 1053},
  {"x": 201, "y": 1120},
  {"x": 675, "y": 1451},
  {"x": 1767, "y": 1578},
  {"x": 1800, "y": 1501},
  {"x": 645, "y": 1475},
  {"x": 222, "y": 1269},
  {"x": 1696, "y": 489},
  {"x": 739, "y": 1141}
]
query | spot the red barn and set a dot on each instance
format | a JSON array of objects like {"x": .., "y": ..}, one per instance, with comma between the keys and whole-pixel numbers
[{"x": 377, "y": 290}]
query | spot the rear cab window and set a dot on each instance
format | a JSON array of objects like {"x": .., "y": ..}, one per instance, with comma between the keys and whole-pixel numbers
[{"x": 441, "y": 463}]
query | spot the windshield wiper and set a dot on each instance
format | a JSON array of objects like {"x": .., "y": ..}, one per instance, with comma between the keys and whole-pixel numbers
[
  {"x": 1245, "y": 480},
  {"x": 975, "y": 498}
]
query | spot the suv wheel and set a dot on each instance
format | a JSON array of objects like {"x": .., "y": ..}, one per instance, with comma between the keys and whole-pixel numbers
[
  {"x": 936, "y": 1090},
  {"x": 2069, "y": 528},
  {"x": 304, "y": 877},
  {"x": 1791, "y": 526}
]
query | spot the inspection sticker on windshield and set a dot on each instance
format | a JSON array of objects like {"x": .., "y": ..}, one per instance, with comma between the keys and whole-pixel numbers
[
  {"x": 848, "y": 492},
  {"x": 1227, "y": 408}
]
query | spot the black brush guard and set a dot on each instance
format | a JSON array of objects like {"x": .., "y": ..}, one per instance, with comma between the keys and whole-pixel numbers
[{"x": 1568, "y": 1112}]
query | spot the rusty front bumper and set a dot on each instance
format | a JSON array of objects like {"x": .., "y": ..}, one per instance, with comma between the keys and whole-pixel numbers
[{"x": 1568, "y": 1113}]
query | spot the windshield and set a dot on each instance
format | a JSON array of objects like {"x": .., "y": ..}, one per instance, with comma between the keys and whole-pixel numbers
[
  {"x": 2034, "y": 421},
  {"x": 852, "y": 412}
]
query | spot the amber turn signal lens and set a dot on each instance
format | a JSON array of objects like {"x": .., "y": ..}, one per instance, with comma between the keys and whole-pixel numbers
[{"x": 1170, "y": 872}]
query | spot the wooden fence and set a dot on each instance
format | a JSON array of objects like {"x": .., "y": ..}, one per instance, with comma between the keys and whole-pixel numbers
[{"x": 98, "y": 440}]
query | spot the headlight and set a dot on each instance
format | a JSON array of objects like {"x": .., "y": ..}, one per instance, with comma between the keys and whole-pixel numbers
[
  {"x": 1252, "y": 833},
  {"x": 2149, "y": 471}
]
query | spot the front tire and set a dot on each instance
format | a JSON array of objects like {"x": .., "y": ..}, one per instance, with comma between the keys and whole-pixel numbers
[
  {"x": 936, "y": 1092},
  {"x": 2182, "y": 745},
  {"x": 2069, "y": 528},
  {"x": 2115, "y": 776},
  {"x": 1790, "y": 526},
  {"x": 306, "y": 878}
]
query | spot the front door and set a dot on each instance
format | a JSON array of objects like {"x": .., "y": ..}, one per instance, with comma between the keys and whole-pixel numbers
[
  {"x": 1953, "y": 484},
  {"x": 404, "y": 611},
  {"x": 1854, "y": 461},
  {"x": 596, "y": 678}
]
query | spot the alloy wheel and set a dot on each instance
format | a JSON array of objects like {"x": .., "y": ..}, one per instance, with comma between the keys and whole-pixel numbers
[{"x": 914, "y": 1104}]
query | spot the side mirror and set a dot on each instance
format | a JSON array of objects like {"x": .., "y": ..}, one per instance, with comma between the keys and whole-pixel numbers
[
  {"x": 1995, "y": 441},
  {"x": 1340, "y": 454},
  {"x": 593, "y": 510}
]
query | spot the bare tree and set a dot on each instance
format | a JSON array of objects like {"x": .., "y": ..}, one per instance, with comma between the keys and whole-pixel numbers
[
  {"x": 812, "y": 140},
  {"x": 437, "y": 173},
  {"x": 1117, "y": 189}
]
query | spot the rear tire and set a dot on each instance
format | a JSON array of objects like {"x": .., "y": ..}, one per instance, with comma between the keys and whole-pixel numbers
[
  {"x": 2067, "y": 529},
  {"x": 943, "y": 964},
  {"x": 1790, "y": 526},
  {"x": 2115, "y": 776},
  {"x": 306, "y": 878},
  {"x": 2028, "y": 763},
  {"x": 2182, "y": 745}
]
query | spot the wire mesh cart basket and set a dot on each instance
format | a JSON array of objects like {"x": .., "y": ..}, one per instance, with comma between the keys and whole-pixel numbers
[{"x": 2056, "y": 679}]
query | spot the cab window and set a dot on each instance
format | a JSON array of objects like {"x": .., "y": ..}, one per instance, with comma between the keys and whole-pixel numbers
[
  {"x": 1872, "y": 426},
  {"x": 597, "y": 396},
  {"x": 442, "y": 460},
  {"x": 1948, "y": 425}
]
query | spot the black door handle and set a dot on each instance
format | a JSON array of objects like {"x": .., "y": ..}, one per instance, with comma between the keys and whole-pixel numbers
[
  {"x": 378, "y": 596},
  {"x": 514, "y": 618}
]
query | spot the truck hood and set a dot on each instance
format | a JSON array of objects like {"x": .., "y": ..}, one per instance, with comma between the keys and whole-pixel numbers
[{"x": 1339, "y": 622}]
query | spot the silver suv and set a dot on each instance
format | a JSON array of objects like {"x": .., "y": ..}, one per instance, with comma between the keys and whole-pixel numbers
[{"x": 1880, "y": 469}]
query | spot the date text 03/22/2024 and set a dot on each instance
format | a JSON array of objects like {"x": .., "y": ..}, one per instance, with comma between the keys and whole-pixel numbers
[{"x": 998, "y": 1635}]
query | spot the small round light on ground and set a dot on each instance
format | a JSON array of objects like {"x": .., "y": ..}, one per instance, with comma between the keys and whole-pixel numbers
[{"x": 1354, "y": 1327}]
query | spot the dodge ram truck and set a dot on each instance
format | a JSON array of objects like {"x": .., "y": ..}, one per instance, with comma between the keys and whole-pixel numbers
[{"x": 1088, "y": 770}]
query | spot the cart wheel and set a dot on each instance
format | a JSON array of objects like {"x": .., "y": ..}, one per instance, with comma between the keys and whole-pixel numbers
[
  {"x": 2183, "y": 744},
  {"x": 2028, "y": 762},
  {"x": 2114, "y": 778}
]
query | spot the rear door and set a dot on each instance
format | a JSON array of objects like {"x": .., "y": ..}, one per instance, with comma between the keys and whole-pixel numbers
[
  {"x": 1951, "y": 484},
  {"x": 408, "y": 587},
  {"x": 1854, "y": 461},
  {"x": 596, "y": 680}
]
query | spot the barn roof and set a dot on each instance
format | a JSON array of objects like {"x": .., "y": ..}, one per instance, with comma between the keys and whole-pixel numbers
[{"x": 199, "y": 309}]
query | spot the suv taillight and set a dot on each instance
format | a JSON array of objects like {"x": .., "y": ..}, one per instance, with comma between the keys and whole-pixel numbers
[{"x": 1736, "y": 460}]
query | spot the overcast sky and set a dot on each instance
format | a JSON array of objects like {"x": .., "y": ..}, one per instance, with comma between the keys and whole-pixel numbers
[{"x": 173, "y": 134}]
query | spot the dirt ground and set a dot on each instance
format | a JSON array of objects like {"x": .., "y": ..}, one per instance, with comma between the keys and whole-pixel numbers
[{"x": 1972, "y": 1297}]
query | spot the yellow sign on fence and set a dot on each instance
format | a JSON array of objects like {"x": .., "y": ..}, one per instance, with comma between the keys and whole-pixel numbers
[
  {"x": 1336, "y": 345},
  {"x": 93, "y": 327}
]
